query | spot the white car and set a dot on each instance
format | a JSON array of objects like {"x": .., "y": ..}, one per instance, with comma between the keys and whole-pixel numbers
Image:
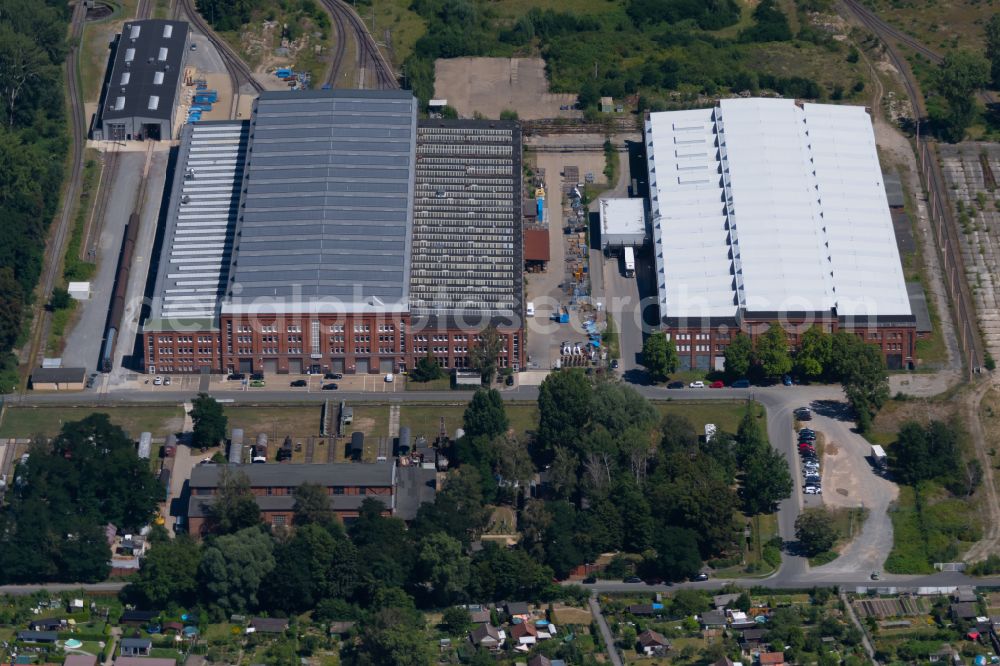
[
  {"x": 166, "y": 381},
  {"x": 389, "y": 378},
  {"x": 696, "y": 385},
  {"x": 157, "y": 381},
  {"x": 812, "y": 490}
]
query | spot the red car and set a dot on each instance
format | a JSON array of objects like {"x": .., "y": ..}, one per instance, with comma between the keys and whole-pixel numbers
[{"x": 717, "y": 384}]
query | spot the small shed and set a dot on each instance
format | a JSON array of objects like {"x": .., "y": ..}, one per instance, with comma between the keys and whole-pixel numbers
[
  {"x": 623, "y": 224},
  {"x": 79, "y": 291},
  {"x": 357, "y": 445},
  {"x": 236, "y": 447},
  {"x": 653, "y": 643},
  {"x": 145, "y": 445},
  {"x": 136, "y": 647},
  {"x": 137, "y": 618},
  {"x": 268, "y": 625},
  {"x": 536, "y": 249},
  {"x": 58, "y": 379},
  {"x": 37, "y": 636},
  {"x": 607, "y": 105}
]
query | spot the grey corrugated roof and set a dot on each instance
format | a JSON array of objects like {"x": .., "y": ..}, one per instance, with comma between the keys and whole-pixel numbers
[
  {"x": 195, "y": 255},
  {"x": 327, "y": 210},
  {"x": 51, "y": 375},
  {"x": 918, "y": 304},
  {"x": 136, "y": 642},
  {"x": 199, "y": 504},
  {"x": 331, "y": 474},
  {"x": 467, "y": 246},
  {"x": 142, "y": 72},
  {"x": 415, "y": 486}
]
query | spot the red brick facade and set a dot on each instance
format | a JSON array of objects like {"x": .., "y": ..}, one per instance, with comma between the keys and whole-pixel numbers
[
  {"x": 703, "y": 347},
  {"x": 322, "y": 343}
]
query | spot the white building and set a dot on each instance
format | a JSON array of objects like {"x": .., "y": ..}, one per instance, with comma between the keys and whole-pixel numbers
[
  {"x": 769, "y": 209},
  {"x": 623, "y": 224}
]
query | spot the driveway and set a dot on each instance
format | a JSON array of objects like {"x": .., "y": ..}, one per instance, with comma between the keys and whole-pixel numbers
[
  {"x": 849, "y": 481},
  {"x": 602, "y": 625}
]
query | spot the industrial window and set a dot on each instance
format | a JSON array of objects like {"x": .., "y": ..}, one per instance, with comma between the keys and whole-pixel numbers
[
  {"x": 168, "y": 31},
  {"x": 278, "y": 521},
  {"x": 163, "y": 53},
  {"x": 158, "y": 78},
  {"x": 129, "y": 55},
  {"x": 125, "y": 77},
  {"x": 154, "y": 102},
  {"x": 134, "y": 33}
]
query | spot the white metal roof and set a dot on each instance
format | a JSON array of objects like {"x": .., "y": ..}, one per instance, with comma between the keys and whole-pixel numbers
[
  {"x": 770, "y": 206},
  {"x": 623, "y": 217}
]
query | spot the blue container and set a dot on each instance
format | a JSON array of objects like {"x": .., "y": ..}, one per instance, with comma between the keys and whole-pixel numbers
[{"x": 283, "y": 73}]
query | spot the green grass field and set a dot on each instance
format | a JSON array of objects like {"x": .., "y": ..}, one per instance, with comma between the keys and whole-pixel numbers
[
  {"x": 405, "y": 26},
  {"x": 725, "y": 415},
  {"x": 94, "y": 54},
  {"x": 47, "y": 421}
]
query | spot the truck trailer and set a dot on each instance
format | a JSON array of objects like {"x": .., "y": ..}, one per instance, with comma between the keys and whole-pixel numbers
[
  {"x": 629, "y": 262},
  {"x": 879, "y": 459}
]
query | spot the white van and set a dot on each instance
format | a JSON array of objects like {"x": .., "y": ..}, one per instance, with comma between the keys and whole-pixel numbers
[{"x": 531, "y": 309}]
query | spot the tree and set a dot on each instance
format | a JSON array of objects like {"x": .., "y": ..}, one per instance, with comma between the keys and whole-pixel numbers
[
  {"x": 815, "y": 350},
  {"x": 922, "y": 453},
  {"x": 384, "y": 547},
  {"x": 426, "y": 369},
  {"x": 234, "y": 566},
  {"x": 565, "y": 400},
  {"x": 815, "y": 532},
  {"x": 993, "y": 48},
  {"x": 659, "y": 355},
  {"x": 771, "y": 351},
  {"x": 321, "y": 565},
  {"x": 485, "y": 352},
  {"x": 443, "y": 569},
  {"x": 312, "y": 506},
  {"x": 677, "y": 555},
  {"x": 235, "y": 507},
  {"x": 457, "y": 509},
  {"x": 511, "y": 460},
  {"x": 739, "y": 355},
  {"x": 209, "y": 422},
  {"x": 169, "y": 575},
  {"x": 750, "y": 439},
  {"x": 60, "y": 299},
  {"x": 456, "y": 620},
  {"x": 959, "y": 76},
  {"x": 618, "y": 407},
  {"x": 485, "y": 416},
  {"x": 394, "y": 636},
  {"x": 767, "y": 481},
  {"x": 678, "y": 434},
  {"x": 862, "y": 372}
]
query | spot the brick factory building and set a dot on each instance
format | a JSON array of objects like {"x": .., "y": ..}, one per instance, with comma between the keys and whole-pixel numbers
[
  {"x": 767, "y": 210},
  {"x": 331, "y": 233}
]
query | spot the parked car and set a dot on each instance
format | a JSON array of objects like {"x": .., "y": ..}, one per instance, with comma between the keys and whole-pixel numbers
[
  {"x": 698, "y": 384},
  {"x": 632, "y": 579},
  {"x": 589, "y": 580},
  {"x": 257, "y": 377},
  {"x": 701, "y": 577},
  {"x": 510, "y": 380},
  {"x": 812, "y": 490},
  {"x": 236, "y": 376},
  {"x": 166, "y": 381},
  {"x": 298, "y": 383},
  {"x": 333, "y": 375},
  {"x": 807, "y": 431},
  {"x": 717, "y": 384},
  {"x": 741, "y": 383},
  {"x": 614, "y": 364},
  {"x": 675, "y": 385},
  {"x": 389, "y": 378},
  {"x": 803, "y": 414},
  {"x": 330, "y": 387},
  {"x": 157, "y": 381},
  {"x": 787, "y": 380}
]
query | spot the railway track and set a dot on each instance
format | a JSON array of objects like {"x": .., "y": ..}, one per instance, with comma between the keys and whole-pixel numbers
[
  {"x": 369, "y": 56},
  {"x": 92, "y": 233},
  {"x": 886, "y": 31},
  {"x": 943, "y": 226},
  {"x": 57, "y": 244},
  {"x": 144, "y": 9},
  {"x": 340, "y": 25},
  {"x": 238, "y": 70}
]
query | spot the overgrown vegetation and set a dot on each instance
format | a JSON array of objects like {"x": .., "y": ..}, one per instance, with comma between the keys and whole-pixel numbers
[
  {"x": 75, "y": 268},
  {"x": 931, "y": 519},
  {"x": 33, "y": 145},
  {"x": 659, "y": 49},
  {"x": 62, "y": 497}
]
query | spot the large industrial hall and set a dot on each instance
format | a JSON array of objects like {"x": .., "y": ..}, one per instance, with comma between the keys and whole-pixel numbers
[
  {"x": 769, "y": 210},
  {"x": 330, "y": 234}
]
